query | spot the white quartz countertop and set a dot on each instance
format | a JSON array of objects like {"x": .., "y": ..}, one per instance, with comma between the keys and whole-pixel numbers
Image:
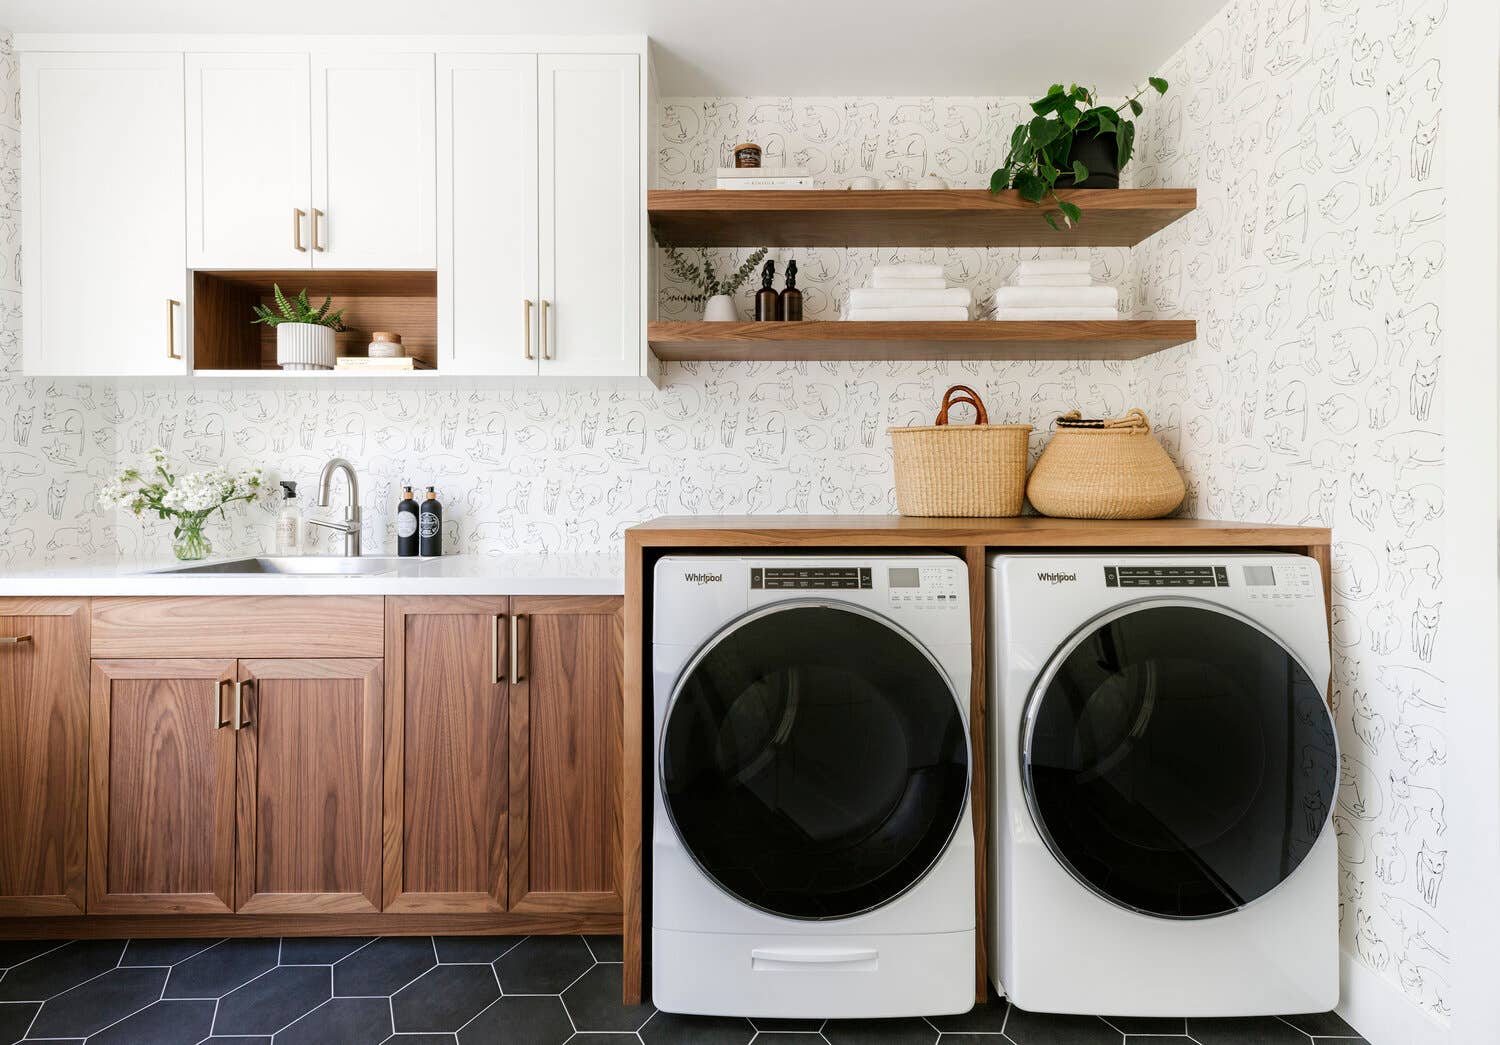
[{"x": 448, "y": 575}]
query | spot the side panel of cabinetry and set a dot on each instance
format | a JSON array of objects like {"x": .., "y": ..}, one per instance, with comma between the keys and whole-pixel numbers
[
  {"x": 565, "y": 754},
  {"x": 44, "y": 726},
  {"x": 447, "y": 702}
]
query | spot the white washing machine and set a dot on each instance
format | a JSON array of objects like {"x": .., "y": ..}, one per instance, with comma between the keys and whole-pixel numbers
[
  {"x": 812, "y": 849},
  {"x": 1165, "y": 769}
]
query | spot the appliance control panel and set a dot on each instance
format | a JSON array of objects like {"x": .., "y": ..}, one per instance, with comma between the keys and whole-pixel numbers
[
  {"x": 811, "y": 578},
  {"x": 924, "y": 587},
  {"x": 1259, "y": 581},
  {"x": 1166, "y": 576}
]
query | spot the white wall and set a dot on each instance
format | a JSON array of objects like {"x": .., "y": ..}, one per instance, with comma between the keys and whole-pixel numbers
[{"x": 1315, "y": 265}]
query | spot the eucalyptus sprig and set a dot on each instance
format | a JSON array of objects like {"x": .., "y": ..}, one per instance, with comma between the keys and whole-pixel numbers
[
  {"x": 297, "y": 310},
  {"x": 1039, "y": 148},
  {"x": 706, "y": 282}
]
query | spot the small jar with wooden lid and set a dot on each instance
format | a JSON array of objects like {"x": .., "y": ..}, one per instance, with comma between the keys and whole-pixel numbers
[
  {"x": 747, "y": 154},
  {"x": 386, "y": 345}
]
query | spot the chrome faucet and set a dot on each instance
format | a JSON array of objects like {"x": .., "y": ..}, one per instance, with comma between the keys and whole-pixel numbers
[{"x": 350, "y": 526}]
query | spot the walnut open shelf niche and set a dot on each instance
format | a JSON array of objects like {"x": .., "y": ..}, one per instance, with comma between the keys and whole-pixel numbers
[
  {"x": 907, "y": 218},
  {"x": 226, "y": 343},
  {"x": 821, "y": 341}
]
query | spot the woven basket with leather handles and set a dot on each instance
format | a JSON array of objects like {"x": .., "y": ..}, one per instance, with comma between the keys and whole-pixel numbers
[
  {"x": 1105, "y": 469},
  {"x": 960, "y": 470}
]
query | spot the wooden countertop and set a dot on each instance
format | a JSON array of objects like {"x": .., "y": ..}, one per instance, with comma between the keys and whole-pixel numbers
[{"x": 725, "y": 531}]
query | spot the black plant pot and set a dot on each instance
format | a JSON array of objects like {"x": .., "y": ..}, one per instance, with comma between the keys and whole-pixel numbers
[{"x": 1100, "y": 153}]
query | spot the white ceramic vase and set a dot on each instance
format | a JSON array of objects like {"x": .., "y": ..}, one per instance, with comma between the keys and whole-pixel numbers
[
  {"x": 304, "y": 346},
  {"x": 720, "y": 309}
]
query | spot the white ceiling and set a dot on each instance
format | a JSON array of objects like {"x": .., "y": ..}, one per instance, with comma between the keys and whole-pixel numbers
[{"x": 748, "y": 47}]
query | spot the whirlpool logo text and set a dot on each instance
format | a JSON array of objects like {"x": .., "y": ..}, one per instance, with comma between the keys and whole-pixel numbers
[
  {"x": 1056, "y": 578},
  {"x": 704, "y": 578}
]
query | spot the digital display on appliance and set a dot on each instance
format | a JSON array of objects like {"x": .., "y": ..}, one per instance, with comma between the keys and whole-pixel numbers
[
  {"x": 905, "y": 577},
  {"x": 1166, "y": 577},
  {"x": 1260, "y": 576},
  {"x": 811, "y": 577}
]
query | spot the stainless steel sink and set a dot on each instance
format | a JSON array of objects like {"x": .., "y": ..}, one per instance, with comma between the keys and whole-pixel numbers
[{"x": 299, "y": 565}]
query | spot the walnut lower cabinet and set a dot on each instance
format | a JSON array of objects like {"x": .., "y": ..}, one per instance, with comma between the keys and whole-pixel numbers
[
  {"x": 44, "y": 729},
  {"x": 502, "y": 754},
  {"x": 235, "y": 785}
]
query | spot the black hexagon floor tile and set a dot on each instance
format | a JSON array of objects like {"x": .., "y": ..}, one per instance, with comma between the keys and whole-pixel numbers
[
  {"x": 1156, "y": 1039},
  {"x": 1251, "y": 1030},
  {"x": 454, "y": 949},
  {"x": 594, "y": 1002},
  {"x": 610, "y": 948},
  {"x": 1329, "y": 1024},
  {"x": 788, "y": 1037},
  {"x": 1339, "y": 1041},
  {"x": 1168, "y": 1026},
  {"x": 1045, "y": 1028},
  {"x": 14, "y": 952},
  {"x": 15, "y": 1017},
  {"x": 988, "y": 1018},
  {"x": 384, "y": 967},
  {"x": 352, "y": 1020},
  {"x": 604, "y": 1037},
  {"x": 544, "y": 964},
  {"x": 444, "y": 998},
  {"x": 163, "y": 952},
  {"x": 423, "y": 1039},
  {"x": 880, "y": 1032},
  {"x": 672, "y": 1028},
  {"x": 535, "y": 1020},
  {"x": 319, "y": 950},
  {"x": 92, "y": 1006},
  {"x": 164, "y": 1023},
  {"x": 49, "y": 974},
  {"x": 238, "y": 1040},
  {"x": 266, "y": 1004},
  {"x": 218, "y": 970}
]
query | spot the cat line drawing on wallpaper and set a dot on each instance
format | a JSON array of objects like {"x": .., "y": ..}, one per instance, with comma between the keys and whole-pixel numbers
[{"x": 1314, "y": 265}]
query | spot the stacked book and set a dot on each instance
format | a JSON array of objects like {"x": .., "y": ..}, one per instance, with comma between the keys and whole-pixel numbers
[
  {"x": 1056, "y": 289},
  {"x": 379, "y": 365},
  {"x": 910, "y": 292},
  {"x": 764, "y": 178}
]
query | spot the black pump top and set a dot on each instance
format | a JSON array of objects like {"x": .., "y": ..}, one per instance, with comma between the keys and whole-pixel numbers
[
  {"x": 767, "y": 274},
  {"x": 791, "y": 275},
  {"x": 289, "y": 489}
]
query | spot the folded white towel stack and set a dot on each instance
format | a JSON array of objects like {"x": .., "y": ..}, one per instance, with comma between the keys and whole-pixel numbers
[
  {"x": 913, "y": 291},
  {"x": 1055, "y": 289}
]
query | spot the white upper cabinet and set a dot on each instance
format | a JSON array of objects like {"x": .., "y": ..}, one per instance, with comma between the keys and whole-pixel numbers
[
  {"x": 249, "y": 161},
  {"x": 592, "y": 215},
  {"x": 487, "y": 217},
  {"x": 104, "y": 238},
  {"x": 374, "y": 171}
]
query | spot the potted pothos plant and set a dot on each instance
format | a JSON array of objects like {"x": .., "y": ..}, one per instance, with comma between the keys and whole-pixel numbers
[
  {"x": 1072, "y": 142},
  {"x": 708, "y": 288},
  {"x": 304, "y": 335}
]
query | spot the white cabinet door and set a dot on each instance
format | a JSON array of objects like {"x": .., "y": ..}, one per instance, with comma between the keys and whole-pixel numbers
[
  {"x": 487, "y": 227},
  {"x": 592, "y": 214},
  {"x": 374, "y": 161},
  {"x": 104, "y": 238},
  {"x": 249, "y": 161}
]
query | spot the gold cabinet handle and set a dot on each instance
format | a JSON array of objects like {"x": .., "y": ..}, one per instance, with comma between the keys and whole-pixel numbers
[
  {"x": 517, "y": 672},
  {"x": 172, "y": 304},
  {"x": 526, "y": 343},
  {"x": 13, "y": 640},
  {"x": 542, "y": 331},
  {"x": 316, "y": 216},
  {"x": 240, "y": 703},
  {"x": 298, "y": 216},
  {"x": 219, "y": 720},
  {"x": 497, "y": 673}
]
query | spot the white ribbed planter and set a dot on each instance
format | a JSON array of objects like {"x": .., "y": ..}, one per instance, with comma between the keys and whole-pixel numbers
[{"x": 304, "y": 346}]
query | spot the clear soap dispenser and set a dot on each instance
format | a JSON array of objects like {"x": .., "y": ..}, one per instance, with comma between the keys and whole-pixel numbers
[{"x": 289, "y": 522}]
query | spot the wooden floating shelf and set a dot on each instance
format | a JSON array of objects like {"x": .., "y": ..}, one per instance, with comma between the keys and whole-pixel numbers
[
  {"x": 907, "y": 218},
  {"x": 837, "y": 341}
]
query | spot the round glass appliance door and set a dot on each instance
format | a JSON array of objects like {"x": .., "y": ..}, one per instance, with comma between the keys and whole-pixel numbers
[
  {"x": 814, "y": 760},
  {"x": 1178, "y": 760}
]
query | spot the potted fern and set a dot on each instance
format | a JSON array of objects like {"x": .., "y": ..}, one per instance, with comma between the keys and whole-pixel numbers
[
  {"x": 304, "y": 335},
  {"x": 716, "y": 295}
]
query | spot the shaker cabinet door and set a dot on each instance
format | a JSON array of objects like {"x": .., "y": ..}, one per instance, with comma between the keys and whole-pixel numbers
[
  {"x": 104, "y": 245},
  {"x": 249, "y": 161}
]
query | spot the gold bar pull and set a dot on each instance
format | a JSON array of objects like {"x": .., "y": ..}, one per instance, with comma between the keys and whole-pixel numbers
[
  {"x": 527, "y": 342},
  {"x": 298, "y": 214},
  {"x": 219, "y": 720},
  {"x": 497, "y": 673},
  {"x": 542, "y": 330},
  {"x": 13, "y": 640},
  {"x": 172, "y": 328},
  {"x": 316, "y": 216},
  {"x": 240, "y": 703},
  {"x": 517, "y": 672}
]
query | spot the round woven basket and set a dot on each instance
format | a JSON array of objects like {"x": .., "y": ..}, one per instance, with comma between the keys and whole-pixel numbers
[
  {"x": 960, "y": 470},
  {"x": 1109, "y": 469}
]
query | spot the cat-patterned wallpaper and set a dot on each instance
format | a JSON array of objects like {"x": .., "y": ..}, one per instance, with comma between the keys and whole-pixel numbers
[{"x": 1314, "y": 394}]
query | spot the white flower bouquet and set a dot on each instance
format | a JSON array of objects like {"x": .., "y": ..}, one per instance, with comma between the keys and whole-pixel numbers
[{"x": 189, "y": 499}]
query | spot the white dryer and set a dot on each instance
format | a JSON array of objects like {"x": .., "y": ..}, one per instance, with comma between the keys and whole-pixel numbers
[
  {"x": 1165, "y": 770},
  {"x": 812, "y": 849}
]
